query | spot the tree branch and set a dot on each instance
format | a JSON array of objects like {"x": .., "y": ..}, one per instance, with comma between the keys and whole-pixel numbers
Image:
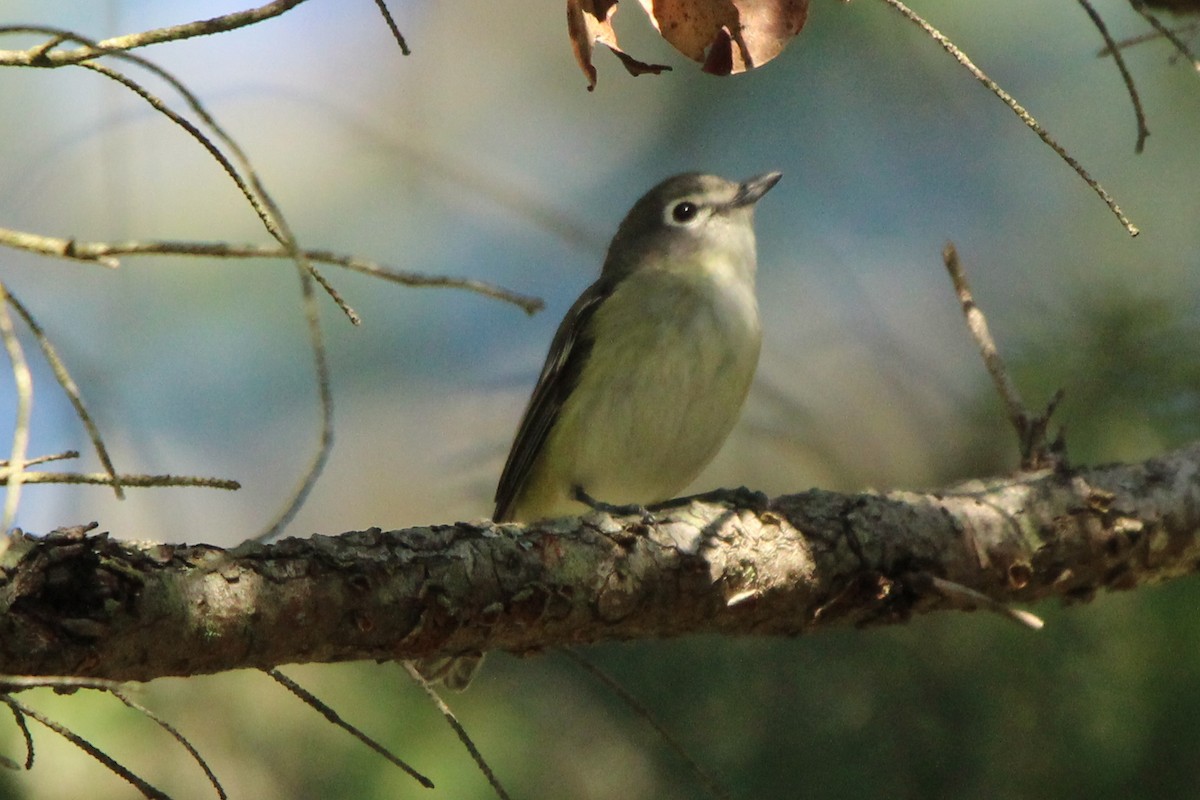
[
  {"x": 107, "y": 254},
  {"x": 44, "y": 55},
  {"x": 729, "y": 562}
]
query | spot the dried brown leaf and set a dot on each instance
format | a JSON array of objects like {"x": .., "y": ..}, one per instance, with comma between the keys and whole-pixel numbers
[
  {"x": 590, "y": 21},
  {"x": 728, "y": 36}
]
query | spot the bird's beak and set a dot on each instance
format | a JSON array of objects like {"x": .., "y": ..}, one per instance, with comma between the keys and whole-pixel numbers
[{"x": 754, "y": 188}]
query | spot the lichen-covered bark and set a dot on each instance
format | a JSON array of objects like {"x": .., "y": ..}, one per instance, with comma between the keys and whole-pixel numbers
[{"x": 731, "y": 562}]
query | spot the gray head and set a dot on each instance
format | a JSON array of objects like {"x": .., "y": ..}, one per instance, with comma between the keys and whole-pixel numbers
[{"x": 687, "y": 216}]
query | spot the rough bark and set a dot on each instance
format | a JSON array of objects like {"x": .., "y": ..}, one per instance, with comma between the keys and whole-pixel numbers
[{"x": 728, "y": 562}]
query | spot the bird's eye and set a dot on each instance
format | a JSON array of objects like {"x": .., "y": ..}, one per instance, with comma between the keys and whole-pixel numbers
[{"x": 684, "y": 212}]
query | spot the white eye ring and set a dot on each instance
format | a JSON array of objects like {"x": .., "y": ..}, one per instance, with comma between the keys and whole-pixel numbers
[{"x": 683, "y": 213}]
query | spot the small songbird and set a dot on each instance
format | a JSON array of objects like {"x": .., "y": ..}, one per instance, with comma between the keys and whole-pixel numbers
[{"x": 648, "y": 370}]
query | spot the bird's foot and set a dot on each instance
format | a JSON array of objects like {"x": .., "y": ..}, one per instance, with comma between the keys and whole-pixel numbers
[{"x": 579, "y": 494}]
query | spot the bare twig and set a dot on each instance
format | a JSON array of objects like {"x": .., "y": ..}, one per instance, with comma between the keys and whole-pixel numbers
[
  {"x": 391, "y": 23},
  {"x": 24, "y": 726},
  {"x": 194, "y": 131},
  {"x": 459, "y": 730},
  {"x": 969, "y": 597},
  {"x": 527, "y": 303},
  {"x": 1163, "y": 30},
  {"x": 52, "y": 246},
  {"x": 1139, "y": 113},
  {"x": 174, "y": 734},
  {"x": 65, "y": 455},
  {"x": 710, "y": 784},
  {"x": 41, "y": 56},
  {"x": 977, "y": 325},
  {"x": 83, "y": 744},
  {"x": 10, "y": 683},
  {"x": 126, "y": 480},
  {"x": 1031, "y": 432},
  {"x": 1153, "y": 36},
  {"x": 108, "y": 253},
  {"x": 23, "y": 381},
  {"x": 72, "y": 391},
  {"x": 313, "y": 702},
  {"x": 1016, "y": 108}
]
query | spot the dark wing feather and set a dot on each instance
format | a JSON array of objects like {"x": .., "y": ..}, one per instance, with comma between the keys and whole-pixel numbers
[{"x": 568, "y": 353}]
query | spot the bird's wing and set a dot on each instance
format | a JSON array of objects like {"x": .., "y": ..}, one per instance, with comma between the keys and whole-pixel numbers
[{"x": 568, "y": 353}]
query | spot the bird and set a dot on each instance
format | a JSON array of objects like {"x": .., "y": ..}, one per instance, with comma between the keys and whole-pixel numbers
[
  {"x": 649, "y": 368},
  {"x": 647, "y": 373}
]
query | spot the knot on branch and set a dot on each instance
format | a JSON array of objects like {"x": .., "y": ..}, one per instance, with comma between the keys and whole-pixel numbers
[{"x": 66, "y": 590}]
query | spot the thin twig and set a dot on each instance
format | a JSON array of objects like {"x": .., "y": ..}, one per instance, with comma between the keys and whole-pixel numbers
[
  {"x": 391, "y": 23},
  {"x": 970, "y": 597},
  {"x": 52, "y": 246},
  {"x": 176, "y": 735},
  {"x": 65, "y": 455},
  {"x": 1031, "y": 431},
  {"x": 72, "y": 391},
  {"x": 1153, "y": 37},
  {"x": 457, "y": 727},
  {"x": 1016, "y": 108},
  {"x": 128, "y": 481},
  {"x": 1139, "y": 113},
  {"x": 313, "y": 702},
  {"x": 527, "y": 303},
  {"x": 1171, "y": 36},
  {"x": 977, "y": 325},
  {"x": 24, "y": 726},
  {"x": 23, "y": 382},
  {"x": 158, "y": 105},
  {"x": 39, "y": 52},
  {"x": 710, "y": 783},
  {"x": 83, "y": 744},
  {"x": 108, "y": 253},
  {"x": 41, "y": 56},
  {"x": 9, "y": 683}
]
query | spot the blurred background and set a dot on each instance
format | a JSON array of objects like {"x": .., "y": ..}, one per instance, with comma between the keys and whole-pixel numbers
[{"x": 482, "y": 155}]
